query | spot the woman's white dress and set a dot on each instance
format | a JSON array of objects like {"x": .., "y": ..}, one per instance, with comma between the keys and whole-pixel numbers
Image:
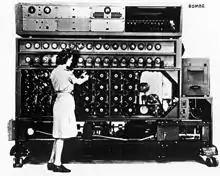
[{"x": 64, "y": 120}]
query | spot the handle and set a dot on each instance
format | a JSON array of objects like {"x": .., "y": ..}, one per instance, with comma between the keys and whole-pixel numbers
[
  {"x": 195, "y": 87},
  {"x": 194, "y": 68}
]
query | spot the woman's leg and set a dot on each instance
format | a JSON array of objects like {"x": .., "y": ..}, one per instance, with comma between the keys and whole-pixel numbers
[
  {"x": 58, "y": 151},
  {"x": 53, "y": 152}
]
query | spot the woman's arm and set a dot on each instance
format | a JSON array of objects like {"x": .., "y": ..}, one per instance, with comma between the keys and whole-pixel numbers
[{"x": 79, "y": 81}]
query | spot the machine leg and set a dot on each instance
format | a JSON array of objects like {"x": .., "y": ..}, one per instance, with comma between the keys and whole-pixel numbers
[
  {"x": 208, "y": 155},
  {"x": 20, "y": 152}
]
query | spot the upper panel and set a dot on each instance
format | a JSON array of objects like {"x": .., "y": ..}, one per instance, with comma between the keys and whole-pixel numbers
[{"x": 98, "y": 20}]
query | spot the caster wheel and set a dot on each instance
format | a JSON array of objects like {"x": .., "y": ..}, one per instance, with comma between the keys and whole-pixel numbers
[
  {"x": 208, "y": 162},
  {"x": 215, "y": 161},
  {"x": 17, "y": 162},
  {"x": 212, "y": 162}
]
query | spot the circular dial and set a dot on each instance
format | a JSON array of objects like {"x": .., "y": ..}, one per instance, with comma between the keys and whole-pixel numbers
[
  {"x": 37, "y": 45},
  {"x": 54, "y": 45},
  {"x": 27, "y": 59},
  {"x": 106, "y": 46},
  {"x": 28, "y": 45},
  {"x": 140, "y": 60},
  {"x": 157, "y": 46},
  {"x": 107, "y": 10},
  {"x": 123, "y": 46},
  {"x": 89, "y": 46},
  {"x": 98, "y": 46},
  {"x": 46, "y": 45},
  {"x": 47, "y": 10},
  {"x": 132, "y": 46},
  {"x": 63, "y": 45},
  {"x": 141, "y": 46},
  {"x": 149, "y": 46},
  {"x": 31, "y": 9},
  {"x": 115, "y": 46}
]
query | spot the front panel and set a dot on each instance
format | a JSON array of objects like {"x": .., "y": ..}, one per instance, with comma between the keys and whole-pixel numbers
[
  {"x": 118, "y": 69},
  {"x": 103, "y": 20}
]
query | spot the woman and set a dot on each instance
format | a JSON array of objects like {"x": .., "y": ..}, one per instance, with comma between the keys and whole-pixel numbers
[{"x": 64, "y": 121}]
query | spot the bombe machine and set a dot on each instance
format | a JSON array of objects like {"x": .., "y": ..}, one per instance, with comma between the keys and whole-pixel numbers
[{"x": 140, "y": 89}]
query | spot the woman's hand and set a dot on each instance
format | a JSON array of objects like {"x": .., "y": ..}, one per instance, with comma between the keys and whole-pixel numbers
[
  {"x": 86, "y": 77},
  {"x": 83, "y": 74}
]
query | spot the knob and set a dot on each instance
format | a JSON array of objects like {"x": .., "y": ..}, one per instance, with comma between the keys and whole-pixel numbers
[
  {"x": 123, "y": 46},
  {"x": 140, "y": 60},
  {"x": 130, "y": 110},
  {"x": 101, "y": 87},
  {"x": 101, "y": 98},
  {"x": 132, "y": 62},
  {"x": 129, "y": 75},
  {"x": 54, "y": 45},
  {"x": 101, "y": 110},
  {"x": 37, "y": 45},
  {"x": 149, "y": 46},
  {"x": 102, "y": 75},
  {"x": 107, "y": 10},
  {"x": 157, "y": 61},
  {"x": 129, "y": 98},
  {"x": 47, "y": 10},
  {"x": 27, "y": 59},
  {"x": 116, "y": 76},
  {"x": 88, "y": 98},
  {"x": 28, "y": 45},
  {"x": 30, "y": 131},
  {"x": 116, "y": 87},
  {"x": 116, "y": 98},
  {"x": 106, "y": 46},
  {"x": 106, "y": 62},
  {"x": 63, "y": 45},
  {"x": 46, "y": 45},
  {"x": 123, "y": 62},
  {"x": 31, "y": 9},
  {"x": 144, "y": 109},
  {"x": 128, "y": 87},
  {"x": 97, "y": 62},
  {"x": 89, "y": 62},
  {"x": 98, "y": 59},
  {"x": 157, "y": 46},
  {"x": 87, "y": 110},
  {"x": 89, "y": 46},
  {"x": 80, "y": 62},
  {"x": 149, "y": 60},
  {"x": 115, "y": 62},
  {"x": 116, "y": 110},
  {"x": 132, "y": 46},
  {"x": 115, "y": 46},
  {"x": 141, "y": 46},
  {"x": 98, "y": 46},
  {"x": 36, "y": 59}
]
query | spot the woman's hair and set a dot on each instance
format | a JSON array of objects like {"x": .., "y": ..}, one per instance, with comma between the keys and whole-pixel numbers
[{"x": 65, "y": 54}]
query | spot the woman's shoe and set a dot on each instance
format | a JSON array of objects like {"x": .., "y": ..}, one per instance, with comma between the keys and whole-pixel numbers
[
  {"x": 60, "y": 168},
  {"x": 50, "y": 166}
]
